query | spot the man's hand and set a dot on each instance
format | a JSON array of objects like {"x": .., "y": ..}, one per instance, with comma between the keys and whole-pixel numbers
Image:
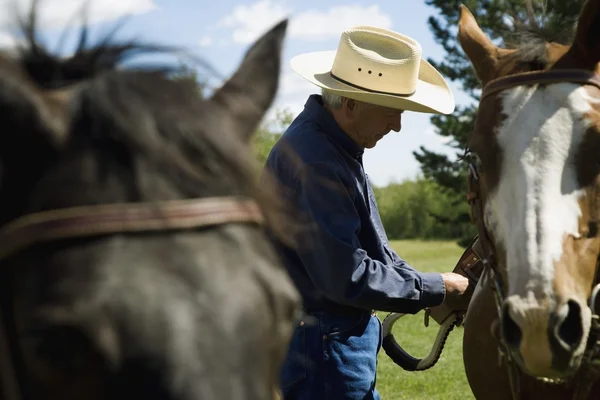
[{"x": 458, "y": 291}]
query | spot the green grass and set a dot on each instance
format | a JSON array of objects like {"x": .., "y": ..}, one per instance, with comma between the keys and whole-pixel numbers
[{"x": 446, "y": 380}]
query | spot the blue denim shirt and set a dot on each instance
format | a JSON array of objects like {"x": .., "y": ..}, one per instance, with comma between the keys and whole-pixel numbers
[{"x": 344, "y": 261}]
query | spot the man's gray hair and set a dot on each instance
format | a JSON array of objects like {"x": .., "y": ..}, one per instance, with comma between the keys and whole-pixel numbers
[
  {"x": 336, "y": 101},
  {"x": 332, "y": 99}
]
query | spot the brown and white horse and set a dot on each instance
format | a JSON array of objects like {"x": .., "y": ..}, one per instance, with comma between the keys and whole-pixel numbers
[{"x": 537, "y": 141}]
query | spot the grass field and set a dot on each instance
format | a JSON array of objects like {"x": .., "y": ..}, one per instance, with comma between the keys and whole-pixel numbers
[{"x": 446, "y": 380}]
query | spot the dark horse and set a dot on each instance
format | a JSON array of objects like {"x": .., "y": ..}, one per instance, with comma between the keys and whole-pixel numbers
[
  {"x": 531, "y": 331},
  {"x": 133, "y": 258}
]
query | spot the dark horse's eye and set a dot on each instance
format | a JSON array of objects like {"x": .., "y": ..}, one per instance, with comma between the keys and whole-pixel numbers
[{"x": 62, "y": 346}]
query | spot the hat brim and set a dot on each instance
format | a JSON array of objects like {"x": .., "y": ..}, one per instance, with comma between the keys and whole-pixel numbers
[{"x": 432, "y": 94}]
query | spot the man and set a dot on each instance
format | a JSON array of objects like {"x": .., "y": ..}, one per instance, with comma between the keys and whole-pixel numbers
[{"x": 342, "y": 264}]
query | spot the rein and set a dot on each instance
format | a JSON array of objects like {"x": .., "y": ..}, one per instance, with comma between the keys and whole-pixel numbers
[
  {"x": 591, "y": 358},
  {"x": 109, "y": 219}
]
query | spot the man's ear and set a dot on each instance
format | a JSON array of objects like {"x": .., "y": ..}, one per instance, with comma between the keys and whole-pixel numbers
[{"x": 349, "y": 106}]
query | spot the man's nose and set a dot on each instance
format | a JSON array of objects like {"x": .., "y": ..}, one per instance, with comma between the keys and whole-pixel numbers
[{"x": 396, "y": 123}]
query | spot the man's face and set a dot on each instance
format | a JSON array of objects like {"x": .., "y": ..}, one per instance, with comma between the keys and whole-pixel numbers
[{"x": 369, "y": 123}]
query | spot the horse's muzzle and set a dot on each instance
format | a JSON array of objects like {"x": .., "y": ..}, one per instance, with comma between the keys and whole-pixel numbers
[{"x": 549, "y": 340}]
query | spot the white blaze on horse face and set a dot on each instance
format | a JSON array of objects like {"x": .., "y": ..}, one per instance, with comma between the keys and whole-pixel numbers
[{"x": 535, "y": 205}]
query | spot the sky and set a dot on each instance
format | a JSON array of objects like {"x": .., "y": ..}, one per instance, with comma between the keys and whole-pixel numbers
[{"x": 220, "y": 31}]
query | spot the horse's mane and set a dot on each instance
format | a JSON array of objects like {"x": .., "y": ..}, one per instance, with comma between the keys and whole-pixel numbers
[{"x": 530, "y": 40}]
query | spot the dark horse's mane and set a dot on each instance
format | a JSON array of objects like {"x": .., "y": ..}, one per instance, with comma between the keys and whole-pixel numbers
[
  {"x": 143, "y": 111},
  {"x": 187, "y": 153}
]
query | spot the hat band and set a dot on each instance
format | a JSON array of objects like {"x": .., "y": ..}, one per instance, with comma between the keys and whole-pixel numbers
[{"x": 367, "y": 89}]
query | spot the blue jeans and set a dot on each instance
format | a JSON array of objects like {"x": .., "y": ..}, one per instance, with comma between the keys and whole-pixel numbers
[{"x": 333, "y": 357}]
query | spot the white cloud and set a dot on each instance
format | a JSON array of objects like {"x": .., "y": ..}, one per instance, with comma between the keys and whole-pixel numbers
[
  {"x": 60, "y": 13},
  {"x": 315, "y": 24},
  {"x": 205, "y": 41},
  {"x": 251, "y": 21}
]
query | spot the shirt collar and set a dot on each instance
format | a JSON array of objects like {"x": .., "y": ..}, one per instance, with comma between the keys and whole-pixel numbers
[{"x": 314, "y": 107}]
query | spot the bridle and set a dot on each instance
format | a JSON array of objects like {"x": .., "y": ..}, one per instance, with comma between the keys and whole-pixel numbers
[
  {"x": 591, "y": 360},
  {"x": 109, "y": 219}
]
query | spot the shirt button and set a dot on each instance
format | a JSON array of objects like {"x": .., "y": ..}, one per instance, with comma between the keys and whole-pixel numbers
[{"x": 324, "y": 337}]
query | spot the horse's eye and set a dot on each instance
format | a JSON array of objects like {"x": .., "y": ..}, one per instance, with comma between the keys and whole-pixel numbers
[{"x": 475, "y": 160}]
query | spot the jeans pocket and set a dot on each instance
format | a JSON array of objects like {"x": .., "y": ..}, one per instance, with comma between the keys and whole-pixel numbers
[{"x": 294, "y": 366}]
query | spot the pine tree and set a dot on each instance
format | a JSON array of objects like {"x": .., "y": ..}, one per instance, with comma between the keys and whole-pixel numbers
[{"x": 508, "y": 23}]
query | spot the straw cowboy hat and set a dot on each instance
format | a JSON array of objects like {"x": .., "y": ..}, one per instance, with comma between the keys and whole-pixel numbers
[{"x": 380, "y": 67}]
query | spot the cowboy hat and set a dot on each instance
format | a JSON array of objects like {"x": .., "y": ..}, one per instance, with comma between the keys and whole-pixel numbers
[{"x": 378, "y": 66}]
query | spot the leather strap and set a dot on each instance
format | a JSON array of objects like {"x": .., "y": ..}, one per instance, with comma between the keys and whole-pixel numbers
[
  {"x": 581, "y": 76},
  {"x": 470, "y": 266},
  {"x": 97, "y": 220}
]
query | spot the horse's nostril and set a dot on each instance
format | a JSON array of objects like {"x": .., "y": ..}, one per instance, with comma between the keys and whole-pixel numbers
[
  {"x": 569, "y": 329},
  {"x": 511, "y": 331}
]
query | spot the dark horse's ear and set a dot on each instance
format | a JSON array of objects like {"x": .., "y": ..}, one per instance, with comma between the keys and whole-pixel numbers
[
  {"x": 586, "y": 45},
  {"x": 248, "y": 94}
]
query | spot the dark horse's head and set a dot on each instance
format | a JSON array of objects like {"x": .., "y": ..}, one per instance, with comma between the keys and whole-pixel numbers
[
  {"x": 181, "y": 314},
  {"x": 538, "y": 145}
]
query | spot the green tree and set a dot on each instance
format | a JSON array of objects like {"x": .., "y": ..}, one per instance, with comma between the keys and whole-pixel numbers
[
  {"x": 408, "y": 210},
  {"x": 269, "y": 132},
  {"x": 507, "y": 23}
]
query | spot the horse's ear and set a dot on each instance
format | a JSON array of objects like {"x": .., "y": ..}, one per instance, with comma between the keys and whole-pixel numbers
[
  {"x": 477, "y": 45},
  {"x": 586, "y": 45},
  {"x": 248, "y": 94}
]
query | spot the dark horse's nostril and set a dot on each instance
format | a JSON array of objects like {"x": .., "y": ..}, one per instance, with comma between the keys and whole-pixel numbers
[
  {"x": 568, "y": 328},
  {"x": 510, "y": 330}
]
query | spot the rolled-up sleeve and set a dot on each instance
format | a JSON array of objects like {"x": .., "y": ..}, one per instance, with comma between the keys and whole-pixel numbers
[{"x": 332, "y": 255}]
